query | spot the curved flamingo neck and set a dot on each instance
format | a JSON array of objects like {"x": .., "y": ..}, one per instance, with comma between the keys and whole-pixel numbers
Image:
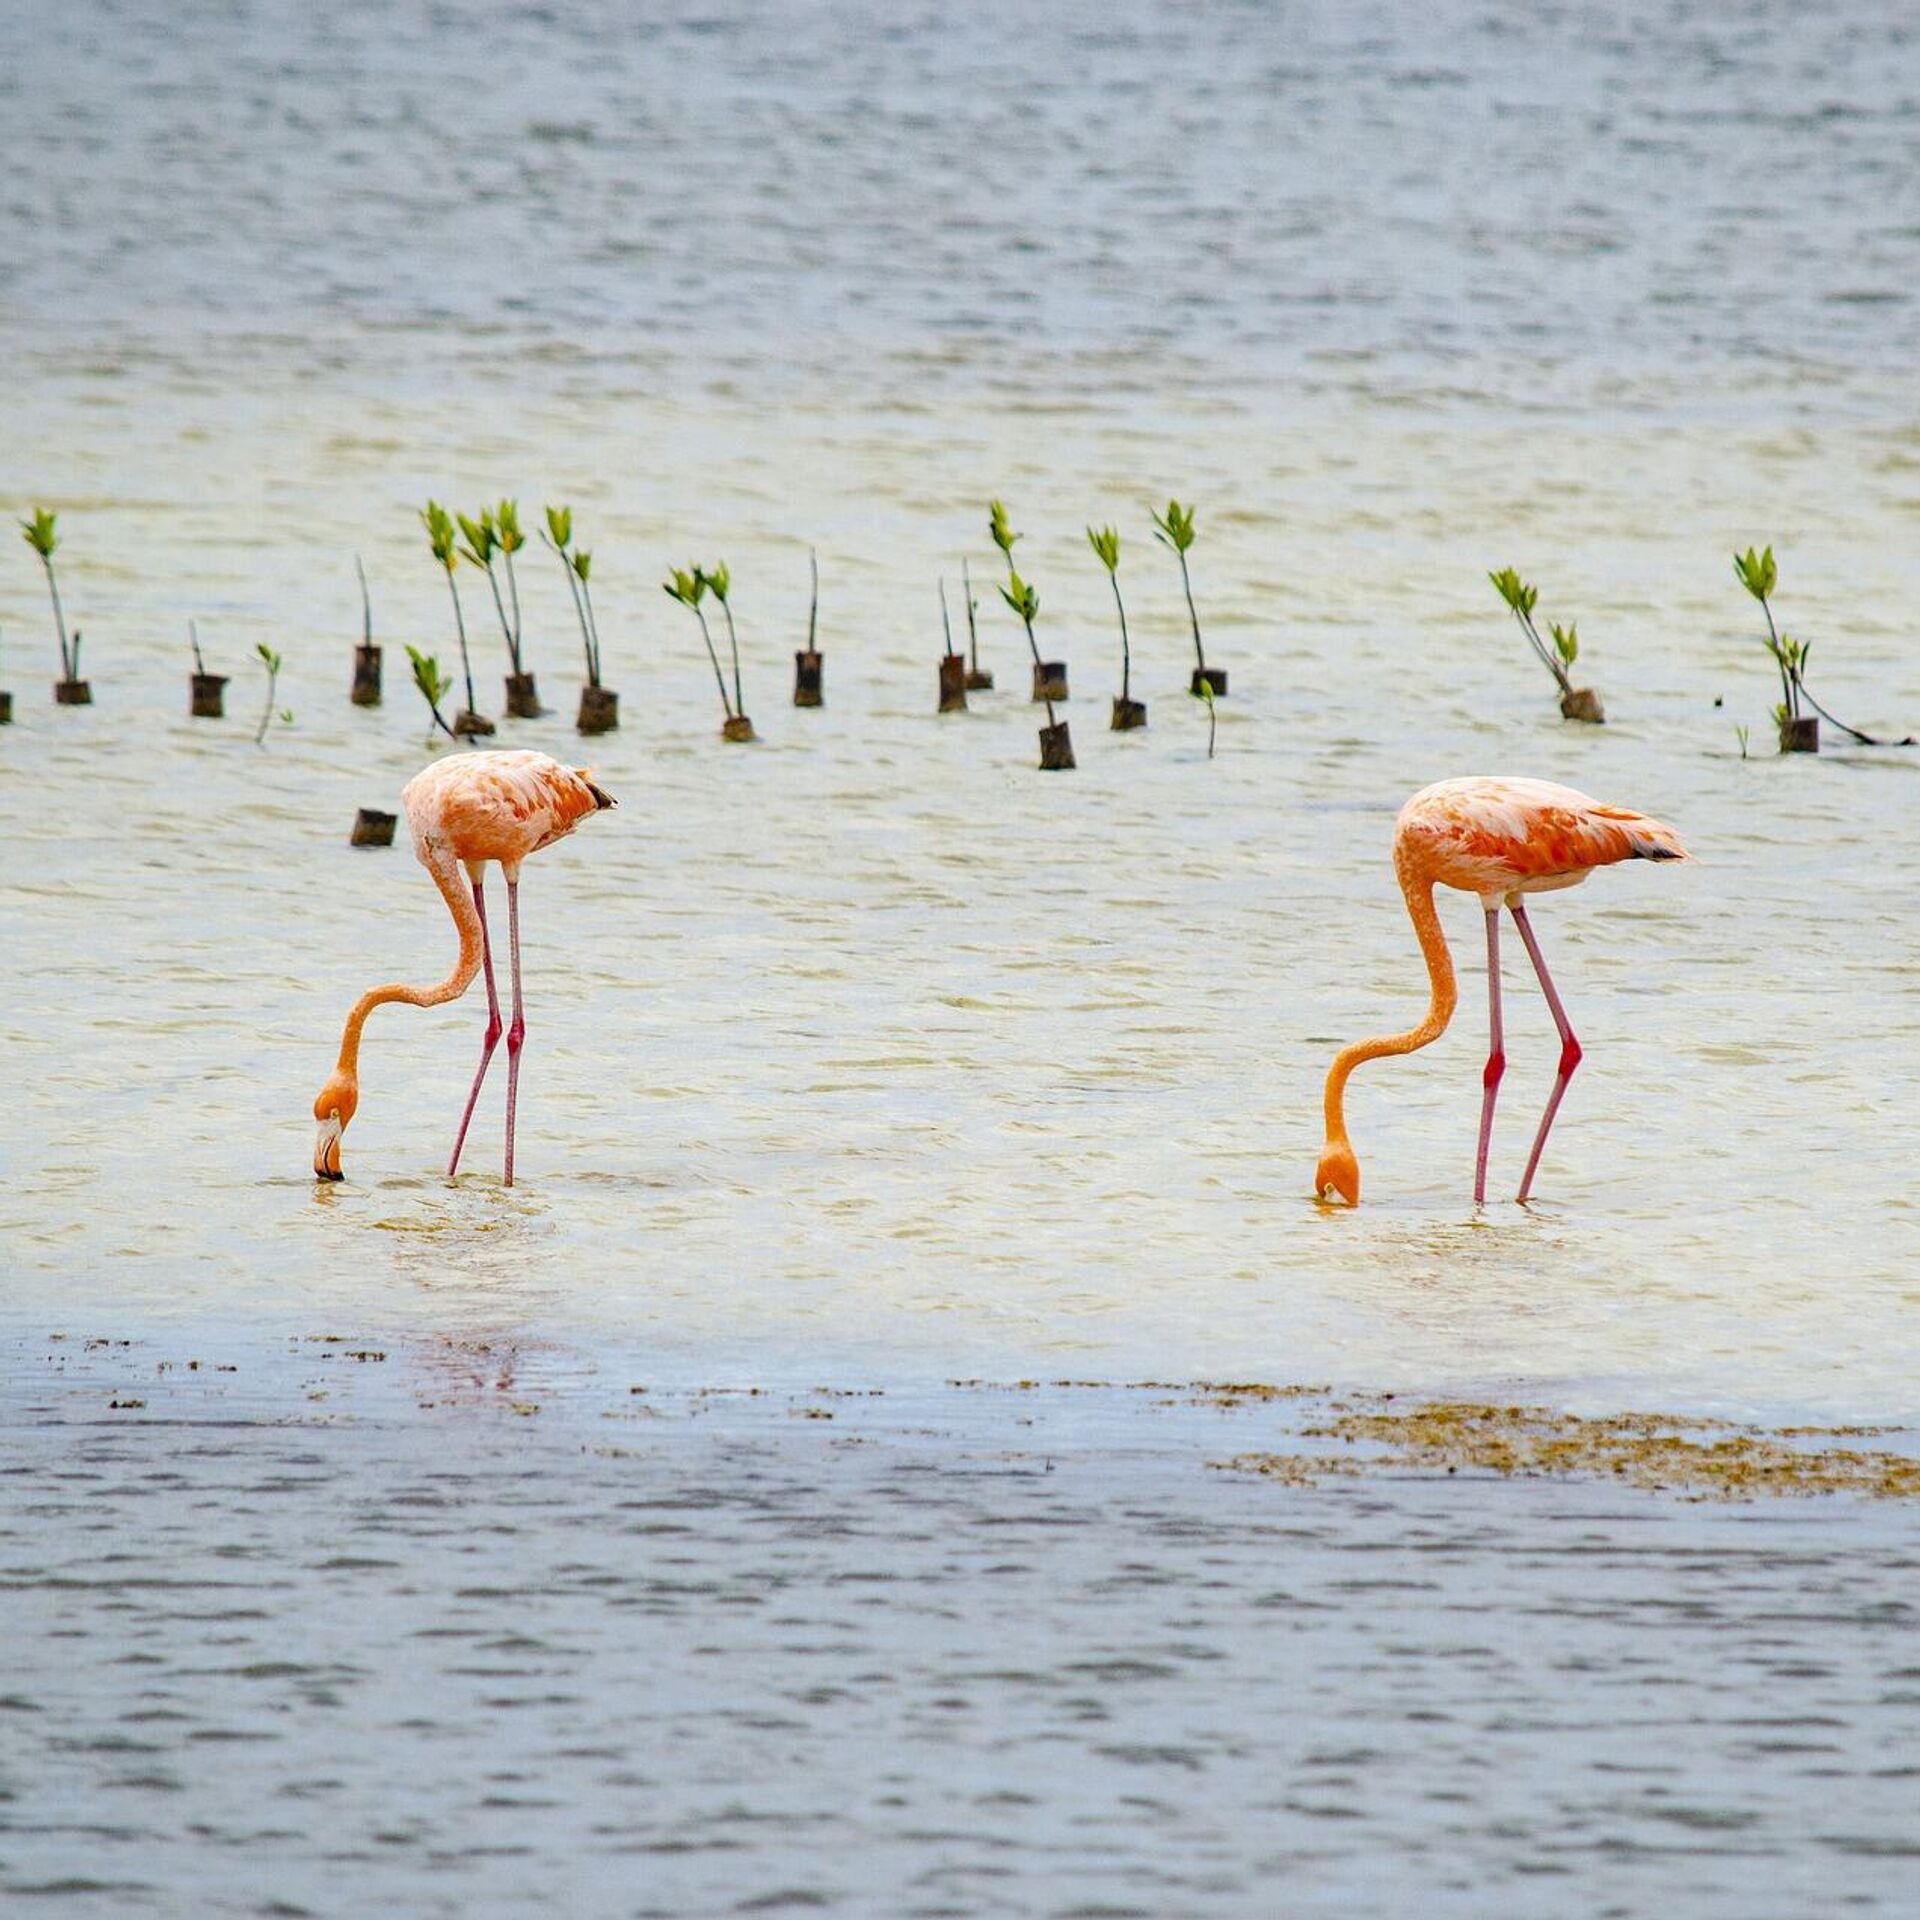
[
  {"x": 1418, "y": 888},
  {"x": 466, "y": 919}
]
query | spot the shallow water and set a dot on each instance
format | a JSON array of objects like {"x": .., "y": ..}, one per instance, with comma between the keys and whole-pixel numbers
[
  {"x": 869, "y": 1056},
  {"x": 994, "y": 1652}
]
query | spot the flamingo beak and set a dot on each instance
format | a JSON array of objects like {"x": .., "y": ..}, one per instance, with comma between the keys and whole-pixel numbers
[{"x": 326, "y": 1149}]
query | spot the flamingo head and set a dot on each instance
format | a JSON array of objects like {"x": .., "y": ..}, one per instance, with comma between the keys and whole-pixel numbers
[
  {"x": 1338, "y": 1173},
  {"x": 332, "y": 1109}
]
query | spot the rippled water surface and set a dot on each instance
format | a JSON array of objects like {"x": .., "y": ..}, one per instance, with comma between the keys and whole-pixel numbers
[{"x": 869, "y": 1056}]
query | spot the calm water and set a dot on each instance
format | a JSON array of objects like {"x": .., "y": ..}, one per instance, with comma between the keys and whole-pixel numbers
[{"x": 868, "y": 1056}]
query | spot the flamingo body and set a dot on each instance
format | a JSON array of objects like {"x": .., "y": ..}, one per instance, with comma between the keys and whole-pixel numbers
[
  {"x": 1495, "y": 837},
  {"x": 1499, "y": 839},
  {"x": 462, "y": 812},
  {"x": 496, "y": 806}
]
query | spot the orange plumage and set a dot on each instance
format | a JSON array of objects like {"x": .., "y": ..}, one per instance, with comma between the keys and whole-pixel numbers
[
  {"x": 497, "y": 806},
  {"x": 464, "y": 811},
  {"x": 1499, "y": 839},
  {"x": 1501, "y": 836}
]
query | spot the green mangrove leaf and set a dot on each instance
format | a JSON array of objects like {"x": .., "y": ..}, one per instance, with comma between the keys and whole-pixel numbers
[
  {"x": 479, "y": 537},
  {"x": 1003, "y": 535},
  {"x": 1756, "y": 572},
  {"x": 1020, "y": 596},
  {"x": 440, "y": 535},
  {"x": 427, "y": 676},
  {"x": 1174, "y": 528},
  {"x": 38, "y": 532}
]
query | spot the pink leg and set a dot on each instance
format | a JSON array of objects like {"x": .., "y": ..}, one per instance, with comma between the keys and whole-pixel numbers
[
  {"x": 1496, "y": 1057},
  {"x": 493, "y": 1029},
  {"x": 1569, "y": 1048},
  {"x": 517, "y": 1033}
]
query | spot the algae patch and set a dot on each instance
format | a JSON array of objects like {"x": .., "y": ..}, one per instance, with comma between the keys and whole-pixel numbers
[{"x": 1698, "y": 1458}]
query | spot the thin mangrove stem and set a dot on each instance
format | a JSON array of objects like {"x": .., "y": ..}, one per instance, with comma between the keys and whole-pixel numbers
[
  {"x": 973, "y": 631},
  {"x": 813, "y": 608},
  {"x": 193, "y": 639},
  {"x": 720, "y": 677},
  {"x": 266, "y": 714},
  {"x": 1548, "y": 659},
  {"x": 500, "y": 607},
  {"x": 1865, "y": 739},
  {"x": 1033, "y": 646},
  {"x": 946, "y": 625},
  {"x": 460, "y": 627},
  {"x": 69, "y": 660},
  {"x": 366, "y": 605},
  {"x": 739, "y": 699},
  {"x": 593, "y": 629},
  {"x": 513, "y": 587},
  {"x": 1789, "y": 693},
  {"x": 1186, "y": 586},
  {"x": 587, "y": 636},
  {"x": 1126, "y": 650}
]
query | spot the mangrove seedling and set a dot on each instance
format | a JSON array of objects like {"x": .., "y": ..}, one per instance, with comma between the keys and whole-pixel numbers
[
  {"x": 1056, "y": 743},
  {"x": 720, "y": 579},
  {"x": 41, "y": 535},
  {"x": 1049, "y": 676},
  {"x": 559, "y": 536},
  {"x": 1576, "y": 703},
  {"x": 1206, "y": 694},
  {"x": 979, "y": 680},
  {"x": 1128, "y": 712},
  {"x": 599, "y": 705},
  {"x": 509, "y": 538},
  {"x": 1799, "y": 732},
  {"x": 434, "y": 687},
  {"x": 366, "y": 656},
  {"x": 497, "y": 531},
  {"x": 271, "y": 661},
  {"x": 689, "y": 586},
  {"x": 807, "y": 664},
  {"x": 207, "y": 692},
  {"x": 953, "y": 666},
  {"x": 444, "y": 541},
  {"x": 1174, "y": 529}
]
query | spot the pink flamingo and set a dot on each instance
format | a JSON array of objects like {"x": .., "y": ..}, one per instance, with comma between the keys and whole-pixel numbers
[
  {"x": 1500, "y": 839},
  {"x": 464, "y": 811}
]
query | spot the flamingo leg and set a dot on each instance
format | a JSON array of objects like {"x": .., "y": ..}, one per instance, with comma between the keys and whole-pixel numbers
[
  {"x": 1496, "y": 1057},
  {"x": 1570, "y": 1049},
  {"x": 517, "y": 1032},
  {"x": 492, "y": 1038}
]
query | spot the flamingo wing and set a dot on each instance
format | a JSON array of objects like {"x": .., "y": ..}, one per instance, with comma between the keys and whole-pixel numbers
[{"x": 1492, "y": 836}]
